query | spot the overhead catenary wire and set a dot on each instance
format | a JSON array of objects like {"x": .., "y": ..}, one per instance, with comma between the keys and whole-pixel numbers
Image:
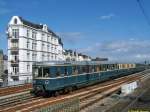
[{"x": 143, "y": 11}]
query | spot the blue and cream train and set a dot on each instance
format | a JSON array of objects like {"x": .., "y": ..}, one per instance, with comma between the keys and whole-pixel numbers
[{"x": 52, "y": 78}]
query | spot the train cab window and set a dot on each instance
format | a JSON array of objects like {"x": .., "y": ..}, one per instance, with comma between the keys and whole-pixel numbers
[
  {"x": 35, "y": 72},
  {"x": 46, "y": 72}
]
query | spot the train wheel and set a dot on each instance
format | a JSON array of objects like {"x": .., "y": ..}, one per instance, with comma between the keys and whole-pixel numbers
[
  {"x": 75, "y": 88},
  {"x": 70, "y": 89},
  {"x": 56, "y": 93},
  {"x": 65, "y": 90}
]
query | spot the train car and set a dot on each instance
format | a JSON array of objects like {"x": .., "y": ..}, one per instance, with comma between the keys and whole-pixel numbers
[{"x": 53, "y": 78}]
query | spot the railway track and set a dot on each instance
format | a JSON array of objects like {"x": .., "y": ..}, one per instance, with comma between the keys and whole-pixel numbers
[
  {"x": 15, "y": 89},
  {"x": 83, "y": 94},
  {"x": 16, "y": 99},
  {"x": 97, "y": 97}
]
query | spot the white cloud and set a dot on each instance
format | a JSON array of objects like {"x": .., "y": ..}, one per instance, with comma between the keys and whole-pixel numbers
[
  {"x": 124, "y": 50},
  {"x": 142, "y": 56},
  {"x": 106, "y": 17}
]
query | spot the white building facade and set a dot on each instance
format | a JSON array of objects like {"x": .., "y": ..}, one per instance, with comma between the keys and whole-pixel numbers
[
  {"x": 28, "y": 43},
  {"x": 71, "y": 55}
]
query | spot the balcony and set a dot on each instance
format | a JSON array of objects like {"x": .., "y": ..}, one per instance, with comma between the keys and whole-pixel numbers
[
  {"x": 14, "y": 47},
  {"x": 13, "y": 37},
  {"x": 14, "y": 63},
  {"x": 15, "y": 74},
  {"x": 15, "y": 52}
]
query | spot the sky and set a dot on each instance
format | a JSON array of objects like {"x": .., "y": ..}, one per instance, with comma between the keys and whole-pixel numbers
[{"x": 115, "y": 29}]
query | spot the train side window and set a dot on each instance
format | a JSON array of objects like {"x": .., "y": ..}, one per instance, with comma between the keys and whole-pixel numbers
[
  {"x": 65, "y": 71},
  {"x": 74, "y": 70},
  {"x": 90, "y": 69},
  {"x": 87, "y": 68},
  {"x": 52, "y": 71},
  {"x": 83, "y": 69},
  {"x": 46, "y": 72},
  {"x": 58, "y": 72}
]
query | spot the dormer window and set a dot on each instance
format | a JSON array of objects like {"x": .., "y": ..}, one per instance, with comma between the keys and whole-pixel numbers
[
  {"x": 15, "y": 21},
  {"x": 44, "y": 27}
]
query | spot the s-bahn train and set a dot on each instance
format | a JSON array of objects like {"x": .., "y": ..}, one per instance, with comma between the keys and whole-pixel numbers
[{"x": 53, "y": 78}]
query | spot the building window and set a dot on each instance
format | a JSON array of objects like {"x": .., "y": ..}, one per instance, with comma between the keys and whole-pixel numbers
[
  {"x": 33, "y": 34},
  {"x": 52, "y": 56},
  {"x": 15, "y": 70},
  {"x": 28, "y": 43},
  {"x": 15, "y": 33},
  {"x": 34, "y": 45},
  {"x": 15, "y": 21},
  {"x": 28, "y": 56},
  {"x": 34, "y": 56},
  {"x": 48, "y": 38},
  {"x": 55, "y": 57},
  {"x": 28, "y": 67},
  {"x": 28, "y": 33},
  {"x": 43, "y": 56},
  {"x": 43, "y": 36},
  {"x": 47, "y": 47},
  {"x": 14, "y": 44}
]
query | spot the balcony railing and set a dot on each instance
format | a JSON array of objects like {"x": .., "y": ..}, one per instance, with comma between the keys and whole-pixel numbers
[
  {"x": 14, "y": 61},
  {"x": 14, "y": 47},
  {"x": 13, "y": 37},
  {"x": 15, "y": 74}
]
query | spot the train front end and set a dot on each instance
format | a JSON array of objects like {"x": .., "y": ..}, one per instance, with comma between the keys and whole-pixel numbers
[
  {"x": 38, "y": 82},
  {"x": 38, "y": 87}
]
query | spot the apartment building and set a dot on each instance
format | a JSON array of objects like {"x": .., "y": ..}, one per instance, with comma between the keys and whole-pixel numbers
[
  {"x": 28, "y": 43},
  {"x": 71, "y": 55},
  {"x": 1, "y": 64}
]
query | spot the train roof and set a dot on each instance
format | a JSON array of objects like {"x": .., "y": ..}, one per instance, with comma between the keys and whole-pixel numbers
[{"x": 57, "y": 63}]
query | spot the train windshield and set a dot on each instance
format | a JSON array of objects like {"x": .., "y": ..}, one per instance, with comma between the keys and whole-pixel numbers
[{"x": 40, "y": 72}]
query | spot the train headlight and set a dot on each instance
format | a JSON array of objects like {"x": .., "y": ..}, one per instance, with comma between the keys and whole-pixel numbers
[{"x": 46, "y": 82}]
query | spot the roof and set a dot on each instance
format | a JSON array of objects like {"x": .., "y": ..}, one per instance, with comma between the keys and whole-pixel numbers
[
  {"x": 60, "y": 41},
  {"x": 34, "y": 25},
  {"x": 37, "y": 26}
]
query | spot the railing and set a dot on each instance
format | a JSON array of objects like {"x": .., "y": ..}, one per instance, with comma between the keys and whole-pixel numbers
[
  {"x": 14, "y": 61},
  {"x": 14, "y": 47}
]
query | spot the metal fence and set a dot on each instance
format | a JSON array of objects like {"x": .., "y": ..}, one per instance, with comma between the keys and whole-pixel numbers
[{"x": 66, "y": 106}]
